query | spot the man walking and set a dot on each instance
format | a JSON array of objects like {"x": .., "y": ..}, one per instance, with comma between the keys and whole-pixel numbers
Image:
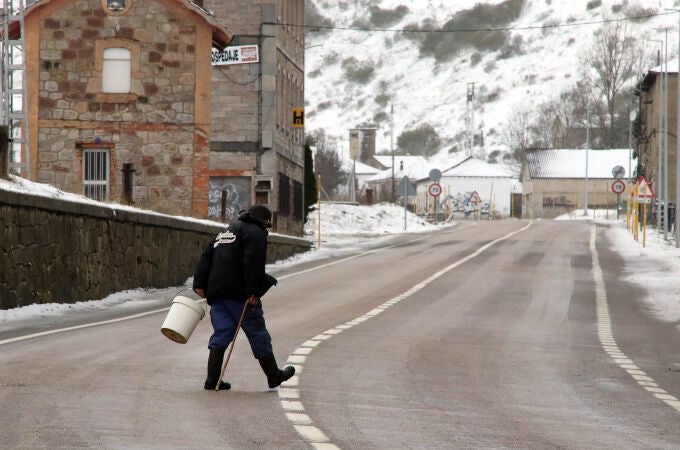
[{"x": 230, "y": 274}]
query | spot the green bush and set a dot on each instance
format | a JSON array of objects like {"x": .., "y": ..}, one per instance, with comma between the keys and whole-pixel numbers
[
  {"x": 423, "y": 140},
  {"x": 357, "y": 72},
  {"x": 592, "y": 4},
  {"x": 382, "y": 18},
  {"x": 457, "y": 33},
  {"x": 314, "y": 18}
]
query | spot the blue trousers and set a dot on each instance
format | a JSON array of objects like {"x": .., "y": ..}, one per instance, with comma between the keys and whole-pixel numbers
[{"x": 224, "y": 316}]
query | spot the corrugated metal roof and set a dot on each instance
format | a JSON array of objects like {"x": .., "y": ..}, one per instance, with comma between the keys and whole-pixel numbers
[{"x": 571, "y": 163}]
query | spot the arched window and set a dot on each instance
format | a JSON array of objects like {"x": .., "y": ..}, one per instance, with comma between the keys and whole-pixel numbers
[{"x": 116, "y": 70}]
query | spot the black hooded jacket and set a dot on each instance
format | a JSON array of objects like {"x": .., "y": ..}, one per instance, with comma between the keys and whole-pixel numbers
[{"x": 232, "y": 266}]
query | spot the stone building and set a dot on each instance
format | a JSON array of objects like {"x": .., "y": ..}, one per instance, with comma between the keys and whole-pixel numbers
[
  {"x": 257, "y": 155},
  {"x": 129, "y": 85},
  {"x": 650, "y": 123}
]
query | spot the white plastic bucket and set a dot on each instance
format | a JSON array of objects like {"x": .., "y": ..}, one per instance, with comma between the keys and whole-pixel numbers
[{"x": 182, "y": 319}]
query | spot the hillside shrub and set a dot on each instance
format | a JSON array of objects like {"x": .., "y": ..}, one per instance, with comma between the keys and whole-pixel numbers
[
  {"x": 314, "y": 18},
  {"x": 382, "y": 18},
  {"x": 592, "y": 4},
  {"x": 423, "y": 140},
  {"x": 458, "y": 32},
  {"x": 639, "y": 11},
  {"x": 358, "y": 72}
]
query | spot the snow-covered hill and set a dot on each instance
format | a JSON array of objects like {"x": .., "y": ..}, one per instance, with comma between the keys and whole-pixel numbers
[{"x": 365, "y": 62}]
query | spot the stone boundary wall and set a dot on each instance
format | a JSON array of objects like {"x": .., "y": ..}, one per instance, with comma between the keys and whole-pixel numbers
[{"x": 58, "y": 251}]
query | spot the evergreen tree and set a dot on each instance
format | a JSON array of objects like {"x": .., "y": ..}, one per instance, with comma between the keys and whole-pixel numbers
[{"x": 310, "y": 182}]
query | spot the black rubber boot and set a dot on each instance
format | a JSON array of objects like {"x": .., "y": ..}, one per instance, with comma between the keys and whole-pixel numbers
[
  {"x": 214, "y": 370},
  {"x": 275, "y": 376}
]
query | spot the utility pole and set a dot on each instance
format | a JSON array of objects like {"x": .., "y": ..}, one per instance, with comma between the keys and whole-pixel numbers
[
  {"x": 585, "y": 213},
  {"x": 470, "y": 119},
  {"x": 665, "y": 140},
  {"x": 677, "y": 141},
  {"x": 13, "y": 86},
  {"x": 392, "y": 196}
]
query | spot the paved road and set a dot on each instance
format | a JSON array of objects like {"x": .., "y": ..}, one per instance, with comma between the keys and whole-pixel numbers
[{"x": 488, "y": 335}]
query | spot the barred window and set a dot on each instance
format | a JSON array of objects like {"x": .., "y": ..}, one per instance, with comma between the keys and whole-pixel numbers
[
  {"x": 284, "y": 195},
  {"x": 298, "y": 198},
  {"x": 96, "y": 173}
]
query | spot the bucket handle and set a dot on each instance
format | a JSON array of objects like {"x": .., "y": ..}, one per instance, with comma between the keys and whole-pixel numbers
[{"x": 205, "y": 305}]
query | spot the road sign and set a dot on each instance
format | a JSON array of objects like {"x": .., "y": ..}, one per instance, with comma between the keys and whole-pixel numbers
[
  {"x": 618, "y": 172},
  {"x": 474, "y": 198},
  {"x": 618, "y": 187},
  {"x": 406, "y": 186},
  {"x": 435, "y": 189},
  {"x": 644, "y": 189},
  {"x": 435, "y": 175},
  {"x": 298, "y": 117}
]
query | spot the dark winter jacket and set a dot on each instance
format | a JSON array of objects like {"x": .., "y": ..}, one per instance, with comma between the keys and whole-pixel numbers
[{"x": 232, "y": 265}]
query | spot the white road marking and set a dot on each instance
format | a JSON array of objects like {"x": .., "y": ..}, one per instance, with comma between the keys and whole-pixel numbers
[
  {"x": 313, "y": 435},
  {"x": 78, "y": 327},
  {"x": 609, "y": 345}
]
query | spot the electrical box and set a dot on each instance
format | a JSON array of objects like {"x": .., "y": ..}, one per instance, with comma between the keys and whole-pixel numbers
[{"x": 263, "y": 190}]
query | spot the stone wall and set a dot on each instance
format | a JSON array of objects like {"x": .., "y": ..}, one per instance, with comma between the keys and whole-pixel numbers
[{"x": 60, "y": 251}]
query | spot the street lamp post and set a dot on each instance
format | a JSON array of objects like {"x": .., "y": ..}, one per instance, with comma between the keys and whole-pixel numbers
[
  {"x": 659, "y": 146},
  {"x": 392, "y": 193},
  {"x": 585, "y": 211},
  {"x": 677, "y": 138}
]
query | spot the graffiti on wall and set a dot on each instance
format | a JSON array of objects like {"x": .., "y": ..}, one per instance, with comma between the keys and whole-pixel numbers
[{"x": 237, "y": 192}]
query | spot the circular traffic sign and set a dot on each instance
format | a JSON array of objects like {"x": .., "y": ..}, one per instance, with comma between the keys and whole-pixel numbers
[
  {"x": 435, "y": 175},
  {"x": 618, "y": 186},
  {"x": 435, "y": 189},
  {"x": 618, "y": 172}
]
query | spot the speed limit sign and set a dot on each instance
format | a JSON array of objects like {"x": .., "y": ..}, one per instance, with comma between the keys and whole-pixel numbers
[
  {"x": 618, "y": 187},
  {"x": 435, "y": 189}
]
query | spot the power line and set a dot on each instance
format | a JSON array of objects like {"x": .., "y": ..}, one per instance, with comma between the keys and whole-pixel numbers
[{"x": 474, "y": 30}]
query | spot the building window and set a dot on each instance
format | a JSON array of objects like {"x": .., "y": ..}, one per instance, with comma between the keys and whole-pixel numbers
[
  {"x": 96, "y": 173},
  {"x": 284, "y": 195},
  {"x": 116, "y": 7},
  {"x": 116, "y": 71},
  {"x": 298, "y": 198}
]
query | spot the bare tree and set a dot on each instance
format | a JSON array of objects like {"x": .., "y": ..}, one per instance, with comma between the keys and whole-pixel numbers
[
  {"x": 562, "y": 120},
  {"x": 517, "y": 132},
  {"x": 609, "y": 63}
]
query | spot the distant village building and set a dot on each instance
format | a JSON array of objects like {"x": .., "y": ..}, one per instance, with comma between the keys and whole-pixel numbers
[
  {"x": 127, "y": 90},
  {"x": 554, "y": 180},
  {"x": 383, "y": 184},
  {"x": 362, "y": 144},
  {"x": 470, "y": 185}
]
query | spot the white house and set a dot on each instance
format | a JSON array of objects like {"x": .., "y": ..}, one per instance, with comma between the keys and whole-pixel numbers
[{"x": 471, "y": 184}]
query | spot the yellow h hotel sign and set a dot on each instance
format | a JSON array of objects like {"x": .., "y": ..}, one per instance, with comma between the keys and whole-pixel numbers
[{"x": 298, "y": 117}]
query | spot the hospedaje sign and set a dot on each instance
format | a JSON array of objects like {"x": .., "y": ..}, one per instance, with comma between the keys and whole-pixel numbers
[{"x": 239, "y": 54}]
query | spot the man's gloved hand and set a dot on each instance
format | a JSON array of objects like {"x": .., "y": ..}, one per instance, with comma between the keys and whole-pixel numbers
[{"x": 253, "y": 302}]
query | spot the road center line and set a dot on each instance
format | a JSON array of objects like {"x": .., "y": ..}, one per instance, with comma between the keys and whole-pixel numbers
[
  {"x": 302, "y": 422},
  {"x": 609, "y": 345}
]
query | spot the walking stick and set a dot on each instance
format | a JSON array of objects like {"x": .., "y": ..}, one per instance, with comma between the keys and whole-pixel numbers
[{"x": 233, "y": 341}]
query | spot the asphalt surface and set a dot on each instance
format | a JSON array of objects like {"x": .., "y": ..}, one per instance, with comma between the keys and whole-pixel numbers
[{"x": 473, "y": 337}]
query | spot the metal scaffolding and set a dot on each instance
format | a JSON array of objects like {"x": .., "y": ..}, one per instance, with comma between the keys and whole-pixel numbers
[{"x": 13, "y": 111}]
